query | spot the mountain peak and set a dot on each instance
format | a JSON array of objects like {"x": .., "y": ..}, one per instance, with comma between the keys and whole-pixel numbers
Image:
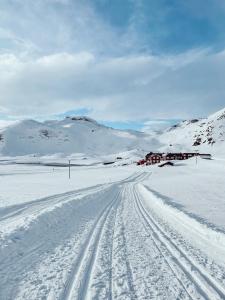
[
  {"x": 74, "y": 134},
  {"x": 81, "y": 118}
]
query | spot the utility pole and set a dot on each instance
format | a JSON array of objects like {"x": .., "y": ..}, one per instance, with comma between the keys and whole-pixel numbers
[
  {"x": 196, "y": 157},
  {"x": 69, "y": 168}
]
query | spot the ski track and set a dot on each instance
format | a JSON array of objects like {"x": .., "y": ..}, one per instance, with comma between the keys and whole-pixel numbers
[
  {"x": 205, "y": 285},
  {"x": 76, "y": 287},
  {"x": 97, "y": 243},
  {"x": 122, "y": 276},
  {"x": 25, "y": 249},
  {"x": 17, "y": 216},
  {"x": 79, "y": 284},
  {"x": 40, "y": 204},
  {"x": 152, "y": 279}
]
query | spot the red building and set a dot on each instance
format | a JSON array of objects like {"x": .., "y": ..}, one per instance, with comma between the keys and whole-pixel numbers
[{"x": 153, "y": 158}]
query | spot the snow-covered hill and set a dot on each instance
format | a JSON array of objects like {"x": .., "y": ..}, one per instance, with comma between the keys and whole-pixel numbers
[
  {"x": 71, "y": 135},
  {"x": 206, "y": 134},
  {"x": 85, "y": 135}
]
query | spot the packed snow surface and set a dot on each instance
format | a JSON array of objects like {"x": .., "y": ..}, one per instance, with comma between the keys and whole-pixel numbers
[{"x": 115, "y": 231}]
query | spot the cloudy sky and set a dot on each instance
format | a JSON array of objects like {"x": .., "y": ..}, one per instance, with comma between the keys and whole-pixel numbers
[{"x": 129, "y": 63}]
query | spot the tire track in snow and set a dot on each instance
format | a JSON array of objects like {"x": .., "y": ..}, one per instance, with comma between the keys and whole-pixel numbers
[
  {"x": 206, "y": 286},
  {"x": 79, "y": 281}
]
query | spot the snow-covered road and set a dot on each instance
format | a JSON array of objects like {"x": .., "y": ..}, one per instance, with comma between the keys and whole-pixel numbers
[{"x": 109, "y": 241}]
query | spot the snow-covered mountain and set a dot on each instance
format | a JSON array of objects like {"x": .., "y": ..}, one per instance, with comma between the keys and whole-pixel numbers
[
  {"x": 71, "y": 135},
  {"x": 206, "y": 134},
  {"x": 85, "y": 135}
]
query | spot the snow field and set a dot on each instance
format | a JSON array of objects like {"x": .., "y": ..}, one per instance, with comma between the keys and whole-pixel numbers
[
  {"x": 112, "y": 233},
  {"x": 25, "y": 183},
  {"x": 205, "y": 284},
  {"x": 204, "y": 237}
]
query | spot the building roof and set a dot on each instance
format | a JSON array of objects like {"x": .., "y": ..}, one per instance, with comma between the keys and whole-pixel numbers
[{"x": 167, "y": 163}]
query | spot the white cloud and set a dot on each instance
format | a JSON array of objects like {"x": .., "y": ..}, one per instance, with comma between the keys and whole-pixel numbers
[
  {"x": 125, "y": 88},
  {"x": 60, "y": 55},
  {"x": 156, "y": 125},
  {"x": 51, "y": 26}
]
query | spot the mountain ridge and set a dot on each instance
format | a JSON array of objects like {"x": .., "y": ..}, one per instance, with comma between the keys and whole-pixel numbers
[
  {"x": 204, "y": 134},
  {"x": 78, "y": 134},
  {"x": 81, "y": 134}
]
